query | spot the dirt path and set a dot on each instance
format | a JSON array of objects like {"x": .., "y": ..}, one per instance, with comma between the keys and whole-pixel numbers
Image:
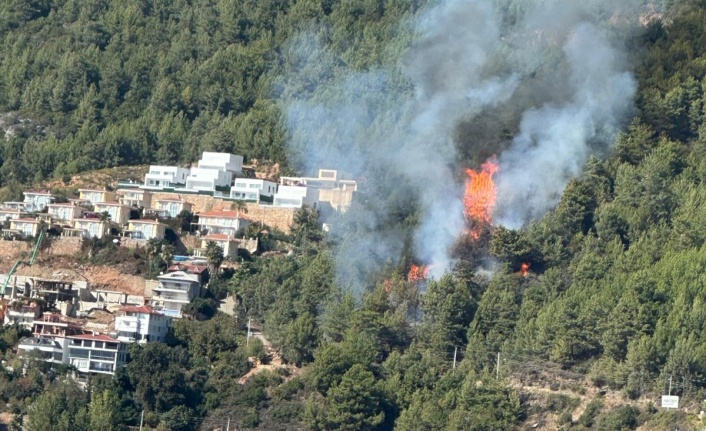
[{"x": 275, "y": 362}]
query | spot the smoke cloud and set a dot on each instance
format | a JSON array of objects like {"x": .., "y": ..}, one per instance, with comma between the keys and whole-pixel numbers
[{"x": 395, "y": 126}]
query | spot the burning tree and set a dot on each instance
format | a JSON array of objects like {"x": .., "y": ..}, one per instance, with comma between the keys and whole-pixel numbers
[{"x": 479, "y": 197}]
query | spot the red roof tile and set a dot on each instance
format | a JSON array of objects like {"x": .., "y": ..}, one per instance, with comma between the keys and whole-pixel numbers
[{"x": 192, "y": 269}]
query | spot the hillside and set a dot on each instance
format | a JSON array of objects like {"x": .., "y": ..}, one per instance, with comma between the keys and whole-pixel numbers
[{"x": 576, "y": 308}]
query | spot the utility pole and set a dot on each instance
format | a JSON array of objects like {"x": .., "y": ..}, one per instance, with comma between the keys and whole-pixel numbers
[
  {"x": 228, "y": 426},
  {"x": 142, "y": 418},
  {"x": 455, "y": 351},
  {"x": 497, "y": 367},
  {"x": 670, "y": 385},
  {"x": 247, "y": 339}
]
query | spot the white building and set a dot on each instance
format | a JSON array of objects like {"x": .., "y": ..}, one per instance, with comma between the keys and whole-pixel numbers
[
  {"x": 92, "y": 227},
  {"x": 135, "y": 198},
  {"x": 22, "y": 314},
  {"x": 119, "y": 213},
  {"x": 169, "y": 207},
  {"x": 295, "y": 196},
  {"x": 165, "y": 176},
  {"x": 65, "y": 212},
  {"x": 253, "y": 189},
  {"x": 10, "y": 214},
  {"x": 100, "y": 354},
  {"x": 222, "y": 221},
  {"x": 327, "y": 189},
  {"x": 222, "y": 162},
  {"x": 208, "y": 179},
  {"x": 141, "y": 324},
  {"x": 37, "y": 200},
  {"x": 175, "y": 290}
]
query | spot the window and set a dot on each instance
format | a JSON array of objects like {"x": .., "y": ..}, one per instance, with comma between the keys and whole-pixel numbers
[
  {"x": 98, "y": 345},
  {"x": 107, "y": 356},
  {"x": 254, "y": 186},
  {"x": 93, "y": 229},
  {"x": 78, "y": 353},
  {"x": 252, "y": 195},
  {"x": 240, "y": 185}
]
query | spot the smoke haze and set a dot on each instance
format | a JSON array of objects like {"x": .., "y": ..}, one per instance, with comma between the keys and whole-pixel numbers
[{"x": 395, "y": 127}]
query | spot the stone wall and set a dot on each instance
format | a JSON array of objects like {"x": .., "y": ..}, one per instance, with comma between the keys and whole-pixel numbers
[{"x": 280, "y": 218}]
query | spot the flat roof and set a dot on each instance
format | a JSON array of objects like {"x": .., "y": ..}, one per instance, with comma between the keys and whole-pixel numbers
[{"x": 99, "y": 337}]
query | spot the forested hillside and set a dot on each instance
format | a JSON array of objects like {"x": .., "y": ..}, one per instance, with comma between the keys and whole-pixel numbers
[{"x": 614, "y": 298}]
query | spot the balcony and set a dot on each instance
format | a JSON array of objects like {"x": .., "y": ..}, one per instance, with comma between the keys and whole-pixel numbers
[{"x": 127, "y": 324}]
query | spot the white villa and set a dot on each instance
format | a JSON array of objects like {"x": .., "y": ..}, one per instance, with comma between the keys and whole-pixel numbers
[
  {"x": 141, "y": 324},
  {"x": 222, "y": 221},
  {"x": 175, "y": 290},
  {"x": 165, "y": 176},
  {"x": 253, "y": 189}
]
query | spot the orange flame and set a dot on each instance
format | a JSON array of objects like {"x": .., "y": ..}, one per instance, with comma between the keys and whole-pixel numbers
[
  {"x": 480, "y": 194},
  {"x": 417, "y": 273},
  {"x": 524, "y": 269}
]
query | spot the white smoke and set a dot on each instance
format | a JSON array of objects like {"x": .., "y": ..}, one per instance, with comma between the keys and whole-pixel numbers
[
  {"x": 395, "y": 126},
  {"x": 555, "y": 141}
]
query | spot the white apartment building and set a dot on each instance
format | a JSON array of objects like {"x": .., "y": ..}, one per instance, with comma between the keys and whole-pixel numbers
[
  {"x": 175, "y": 290},
  {"x": 222, "y": 221},
  {"x": 165, "y": 176},
  {"x": 100, "y": 354},
  {"x": 37, "y": 200},
  {"x": 141, "y": 324},
  {"x": 222, "y": 162},
  {"x": 208, "y": 179},
  {"x": 119, "y": 213},
  {"x": 253, "y": 189}
]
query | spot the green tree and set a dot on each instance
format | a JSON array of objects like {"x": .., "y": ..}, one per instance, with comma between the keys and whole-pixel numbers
[
  {"x": 104, "y": 412},
  {"x": 214, "y": 256},
  {"x": 355, "y": 403}
]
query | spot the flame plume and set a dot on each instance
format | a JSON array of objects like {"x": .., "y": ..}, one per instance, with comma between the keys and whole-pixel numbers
[
  {"x": 524, "y": 269},
  {"x": 480, "y": 194},
  {"x": 417, "y": 273}
]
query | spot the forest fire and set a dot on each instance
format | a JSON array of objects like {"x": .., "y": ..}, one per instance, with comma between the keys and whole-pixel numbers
[
  {"x": 417, "y": 273},
  {"x": 479, "y": 197},
  {"x": 524, "y": 269}
]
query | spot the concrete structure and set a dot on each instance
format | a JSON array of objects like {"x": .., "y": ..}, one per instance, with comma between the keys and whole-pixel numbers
[
  {"x": 119, "y": 213},
  {"x": 92, "y": 228},
  {"x": 135, "y": 198},
  {"x": 295, "y": 196},
  {"x": 165, "y": 177},
  {"x": 175, "y": 290},
  {"x": 141, "y": 324},
  {"x": 327, "y": 190},
  {"x": 222, "y": 221},
  {"x": 22, "y": 313},
  {"x": 64, "y": 212},
  {"x": 253, "y": 190},
  {"x": 108, "y": 298},
  {"x": 207, "y": 179},
  {"x": 96, "y": 195},
  {"x": 200, "y": 271},
  {"x": 146, "y": 229},
  {"x": 37, "y": 200},
  {"x": 25, "y": 226},
  {"x": 222, "y": 161},
  {"x": 170, "y": 207},
  {"x": 100, "y": 353}
]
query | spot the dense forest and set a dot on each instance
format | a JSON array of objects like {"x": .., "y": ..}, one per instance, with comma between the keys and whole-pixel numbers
[{"x": 616, "y": 280}]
